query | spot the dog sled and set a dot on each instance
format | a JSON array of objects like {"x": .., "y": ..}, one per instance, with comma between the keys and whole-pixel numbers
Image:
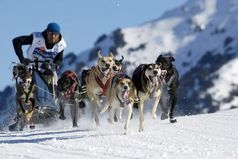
[{"x": 46, "y": 107}]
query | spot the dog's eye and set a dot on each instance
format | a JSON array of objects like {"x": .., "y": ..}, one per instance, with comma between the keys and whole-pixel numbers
[
  {"x": 150, "y": 68},
  {"x": 103, "y": 61}
]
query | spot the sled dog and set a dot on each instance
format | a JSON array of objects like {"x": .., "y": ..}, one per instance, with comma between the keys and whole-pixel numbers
[
  {"x": 25, "y": 97},
  {"x": 120, "y": 95},
  {"x": 68, "y": 85},
  {"x": 147, "y": 79},
  {"x": 97, "y": 81},
  {"x": 171, "y": 78}
]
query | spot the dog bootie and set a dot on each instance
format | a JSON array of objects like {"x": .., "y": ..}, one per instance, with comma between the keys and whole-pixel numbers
[
  {"x": 32, "y": 127},
  {"x": 75, "y": 125},
  {"x": 13, "y": 127},
  {"x": 173, "y": 120}
]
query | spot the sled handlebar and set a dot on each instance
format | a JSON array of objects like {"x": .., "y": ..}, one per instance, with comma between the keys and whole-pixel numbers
[{"x": 35, "y": 64}]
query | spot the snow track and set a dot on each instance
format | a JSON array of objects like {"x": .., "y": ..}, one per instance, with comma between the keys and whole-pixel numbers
[{"x": 202, "y": 136}]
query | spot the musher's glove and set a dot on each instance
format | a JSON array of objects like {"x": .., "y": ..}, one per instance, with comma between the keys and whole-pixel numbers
[
  {"x": 25, "y": 61},
  {"x": 45, "y": 65}
]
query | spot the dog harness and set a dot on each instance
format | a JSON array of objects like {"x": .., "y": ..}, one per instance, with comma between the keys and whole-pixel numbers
[
  {"x": 99, "y": 76},
  {"x": 103, "y": 86}
]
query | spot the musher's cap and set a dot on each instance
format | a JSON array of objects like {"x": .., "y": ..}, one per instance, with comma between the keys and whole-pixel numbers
[{"x": 53, "y": 27}]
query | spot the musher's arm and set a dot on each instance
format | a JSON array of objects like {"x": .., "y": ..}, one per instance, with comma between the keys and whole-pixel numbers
[
  {"x": 17, "y": 44},
  {"x": 59, "y": 58}
]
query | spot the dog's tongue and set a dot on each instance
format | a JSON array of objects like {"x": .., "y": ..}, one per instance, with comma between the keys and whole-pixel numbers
[
  {"x": 155, "y": 80},
  {"x": 125, "y": 94},
  {"x": 106, "y": 71}
]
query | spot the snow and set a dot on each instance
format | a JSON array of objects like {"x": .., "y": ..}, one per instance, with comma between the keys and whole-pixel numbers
[
  {"x": 202, "y": 136},
  {"x": 225, "y": 83}
]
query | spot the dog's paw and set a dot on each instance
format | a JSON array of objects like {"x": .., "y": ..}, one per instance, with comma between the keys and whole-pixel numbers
[
  {"x": 110, "y": 120},
  {"x": 121, "y": 120},
  {"x": 101, "y": 113},
  {"x": 154, "y": 116},
  {"x": 32, "y": 127},
  {"x": 173, "y": 120},
  {"x": 141, "y": 129},
  {"x": 62, "y": 117},
  {"x": 75, "y": 125},
  {"x": 164, "y": 116},
  {"x": 125, "y": 127}
]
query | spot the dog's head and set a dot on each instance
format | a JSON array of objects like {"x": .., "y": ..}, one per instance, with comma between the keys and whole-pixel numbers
[
  {"x": 25, "y": 81},
  {"x": 153, "y": 71},
  {"x": 166, "y": 62},
  {"x": 67, "y": 83},
  {"x": 105, "y": 63},
  {"x": 23, "y": 74},
  {"x": 117, "y": 67},
  {"x": 125, "y": 86},
  {"x": 20, "y": 71}
]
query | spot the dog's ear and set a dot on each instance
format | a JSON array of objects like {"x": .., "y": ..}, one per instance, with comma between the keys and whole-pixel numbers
[
  {"x": 15, "y": 72},
  {"x": 111, "y": 55},
  {"x": 171, "y": 58},
  {"x": 99, "y": 54},
  {"x": 158, "y": 59},
  {"x": 159, "y": 64},
  {"x": 122, "y": 58}
]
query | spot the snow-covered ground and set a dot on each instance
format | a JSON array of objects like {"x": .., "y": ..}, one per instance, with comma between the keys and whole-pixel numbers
[{"x": 201, "y": 136}]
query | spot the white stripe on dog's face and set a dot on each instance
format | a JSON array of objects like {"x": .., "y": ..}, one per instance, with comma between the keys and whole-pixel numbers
[
  {"x": 152, "y": 71},
  {"x": 124, "y": 84},
  {"x": 123, "y": 88},
  {"x": 26, "y": 82}
]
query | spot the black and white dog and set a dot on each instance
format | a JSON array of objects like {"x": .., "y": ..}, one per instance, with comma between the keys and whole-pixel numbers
[
  {"x": 148, "y": 82},
  {"x": 171, "y": 77}
]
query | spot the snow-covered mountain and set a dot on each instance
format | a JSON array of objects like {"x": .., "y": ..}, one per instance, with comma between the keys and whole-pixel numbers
[
  {"x": 203, "y": 37},
  {"x": 207, "y": 136}
]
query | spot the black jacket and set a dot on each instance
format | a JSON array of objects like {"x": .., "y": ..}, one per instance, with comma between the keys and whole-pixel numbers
[{"x": 18, "y": 42}]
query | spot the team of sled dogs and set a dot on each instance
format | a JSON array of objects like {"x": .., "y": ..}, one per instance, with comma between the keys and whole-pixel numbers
[{"x": 106, "y": 80}]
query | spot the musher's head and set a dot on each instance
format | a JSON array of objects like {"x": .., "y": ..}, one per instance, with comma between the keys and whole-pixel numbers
[{"x": 53, "y": 33}]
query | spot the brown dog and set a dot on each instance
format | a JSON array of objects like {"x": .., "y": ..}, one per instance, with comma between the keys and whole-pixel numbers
[
  {"x": 97, "y": 81},
  {"x": 25, "y": 97},
  {"x": 68, "y": 86},
  {"x": 121, "y": 95}
]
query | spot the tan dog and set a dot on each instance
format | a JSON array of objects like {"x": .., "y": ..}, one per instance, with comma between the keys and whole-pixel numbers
[
  {"x": 97, "y": 81},
  {"x": 148, "y": 82},
  {"x": 121, "y": 95},
  {"x": 25, "y": 100}
]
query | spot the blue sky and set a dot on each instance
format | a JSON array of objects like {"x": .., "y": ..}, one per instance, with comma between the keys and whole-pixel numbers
[{"x": 81, "y": 21}]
